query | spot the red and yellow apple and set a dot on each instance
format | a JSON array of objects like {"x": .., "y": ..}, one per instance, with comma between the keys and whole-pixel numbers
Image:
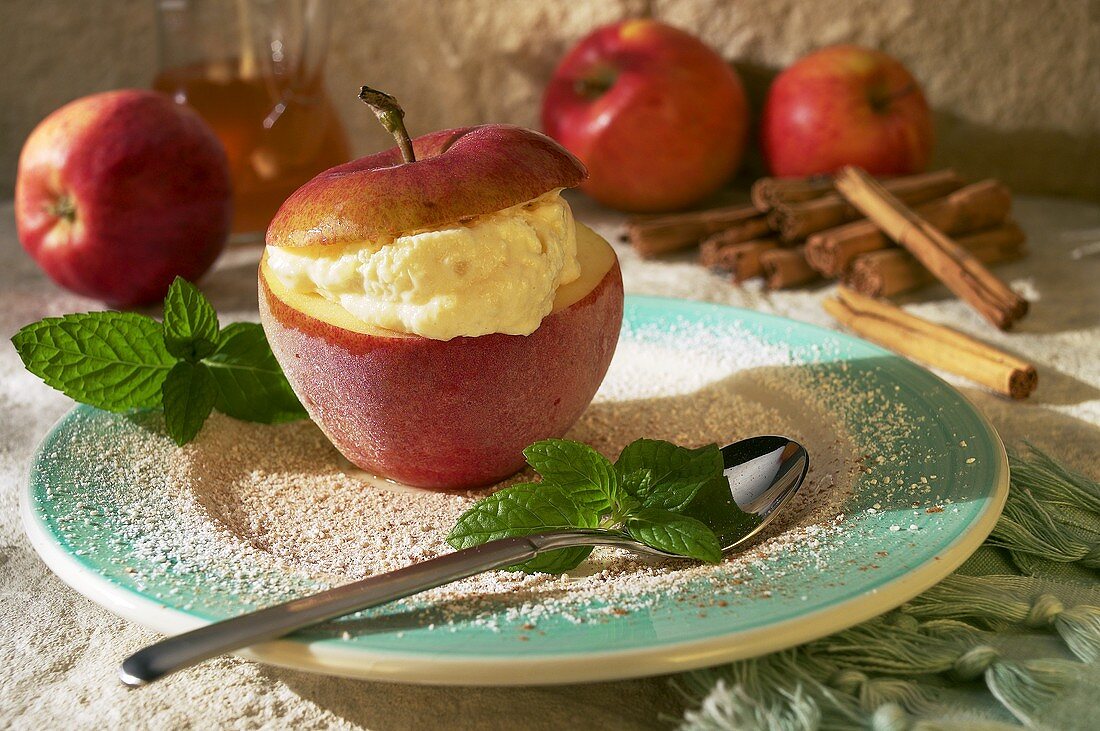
[
  {"x": 657, "y": 116},
  {"x": 119, "y": 193},
  {"x": 440, "y": 413},
  {"x": 846, "y": 105}
]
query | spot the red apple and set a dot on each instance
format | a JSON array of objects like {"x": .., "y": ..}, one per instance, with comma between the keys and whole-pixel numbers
[
  {"x": 453, "y": 413},
  {"x": 657, "y": 116},
  {"x": 846, "y": 105},
  {"x": 119, "y": 193},
  {"x": 440, "y": 413}
]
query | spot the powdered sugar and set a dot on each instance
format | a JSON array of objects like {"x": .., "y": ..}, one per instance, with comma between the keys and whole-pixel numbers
[{"x": 279, "y": 504}]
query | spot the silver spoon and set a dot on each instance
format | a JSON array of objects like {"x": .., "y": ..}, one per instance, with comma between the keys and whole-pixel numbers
[{"x": 763, "y": 474}]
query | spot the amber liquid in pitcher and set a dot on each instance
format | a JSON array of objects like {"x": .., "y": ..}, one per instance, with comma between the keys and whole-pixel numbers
[{"x": 276, "y": 140}]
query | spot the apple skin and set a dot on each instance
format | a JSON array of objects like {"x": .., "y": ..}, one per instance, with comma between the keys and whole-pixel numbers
[
  {"x": 846, "y": 105},
  {"x": 669, "y": 130},
  {"x": 149, "y": 192},
  {"x": 446, "y": 414},
  {"x": 458, "y": 173}
]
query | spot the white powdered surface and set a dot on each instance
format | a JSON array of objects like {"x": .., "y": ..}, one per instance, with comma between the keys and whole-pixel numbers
[
  {"x": 280, "y": 498},
  {"x": 58, "y": 651}
]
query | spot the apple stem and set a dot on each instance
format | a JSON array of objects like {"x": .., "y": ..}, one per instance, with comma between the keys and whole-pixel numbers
[
  {"x": 64, "y": 208},
  {"x": 596, "y": 82},
  {"x": 392, "y": 117},
  {"x": 882, "y": 102}
]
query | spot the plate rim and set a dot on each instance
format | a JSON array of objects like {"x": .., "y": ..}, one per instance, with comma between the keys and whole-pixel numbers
[{"x": 323, "y": 656}]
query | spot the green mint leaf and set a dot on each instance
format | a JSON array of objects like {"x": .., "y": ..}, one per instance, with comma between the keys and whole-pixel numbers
[
  {"x": 676, "y": 474},
  {"x": 522, "y": 510},
  {"x": 555, "y": 562},
  {"x": 111, "y": 360},
  {"x": 674, "y": 495},
  {"x": 668, "y": 461},
  {"x": 627, "y": 506},
  {"x": 704, "y": 461},
  {"x": 250, "y": 384},
  {"x": 588, "y": 476},
  {"x": 714, "y": 505},
  {"x": 674, "y": 533},
  {"x": 189, "y": 394},
  {"x": 190, "y": 322},
  {"x": 638, "y": 480},
  {"x": 635, "y": 484}
]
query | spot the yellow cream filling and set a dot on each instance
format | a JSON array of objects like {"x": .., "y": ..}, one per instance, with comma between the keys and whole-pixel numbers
[
  {"x": 496, "y": 273},
  {"x": 595, "y": 258}
]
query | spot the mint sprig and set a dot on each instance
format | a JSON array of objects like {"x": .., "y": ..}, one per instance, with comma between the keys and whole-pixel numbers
[
  {"x": 656, "y": 492},
  {"x": 522, "y": 510},
  {"x": 187, "y": 365}
]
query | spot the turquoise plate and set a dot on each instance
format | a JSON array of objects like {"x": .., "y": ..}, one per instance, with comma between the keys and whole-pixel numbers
[{"x": 887, "y": 545}]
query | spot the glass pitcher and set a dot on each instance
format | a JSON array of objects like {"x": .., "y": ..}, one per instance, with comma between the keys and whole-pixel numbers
[{"x": 254, "y": 70}]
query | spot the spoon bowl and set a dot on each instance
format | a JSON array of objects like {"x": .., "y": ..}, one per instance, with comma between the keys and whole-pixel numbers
[{"x": 763, "y": 474}]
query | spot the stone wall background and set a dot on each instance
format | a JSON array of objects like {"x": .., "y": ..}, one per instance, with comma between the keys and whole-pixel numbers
[{"x": 1015, "y": 83}]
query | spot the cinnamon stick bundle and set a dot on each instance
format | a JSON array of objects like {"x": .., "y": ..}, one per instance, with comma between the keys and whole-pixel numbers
[
  {"x": 934, "y": 345},
  {"x": 770, "y": 192},
  {"x": 953, "y": 265},
  {"x": 973, "y": 208},
  {"x": 887, "y": 272},
  {"x": 786, "y": 268},
  {"x": 798, "y": 220},
  {"x": 740, "y": 258},
  {"x": 655, "y": 235}
]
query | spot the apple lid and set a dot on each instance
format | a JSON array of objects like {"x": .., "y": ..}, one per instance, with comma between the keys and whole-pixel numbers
[{"x": 458, "y": 173}]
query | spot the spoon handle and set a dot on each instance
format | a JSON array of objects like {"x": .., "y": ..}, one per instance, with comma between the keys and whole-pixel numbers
[{"x": 219, "y": 638}]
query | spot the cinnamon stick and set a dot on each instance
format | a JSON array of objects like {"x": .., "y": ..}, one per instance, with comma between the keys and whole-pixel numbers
[
  {"x": 748, "y": 230},
  {"x": 973, "y": 208},
  {"x": 740, "y": 258},
  {"x": 953, "y": 265},
  {"x": 934, "y": 345},
  {"x": 655, "y": 235},
  {"x": 786, "y": 268},
  {"x": 770, "y": 192},
  {"x": 798, "y": 220},
  {"x": 887, "y": 272}
]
